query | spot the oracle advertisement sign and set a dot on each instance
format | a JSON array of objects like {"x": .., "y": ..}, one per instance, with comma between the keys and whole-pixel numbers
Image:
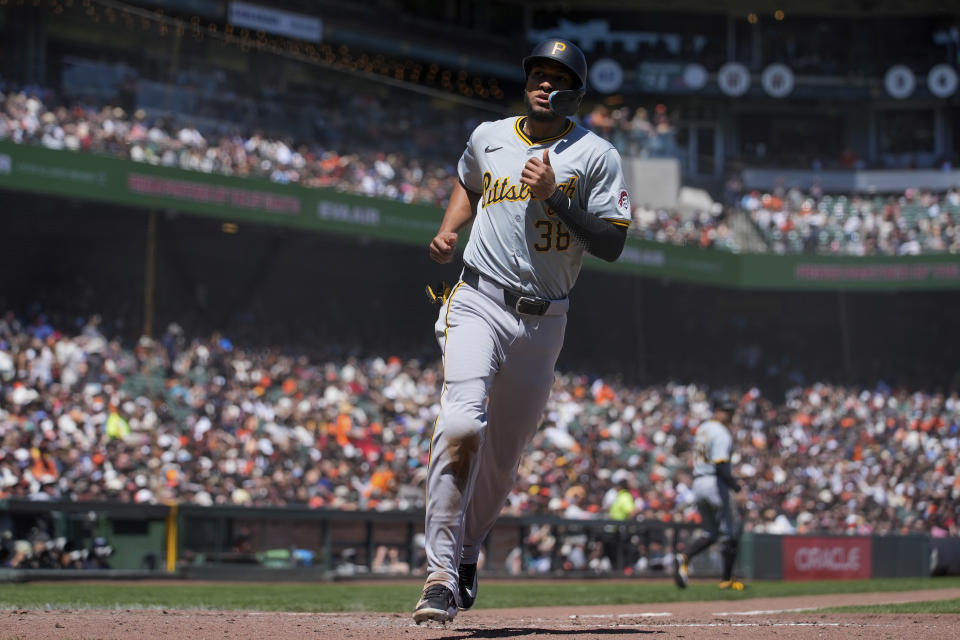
[{"x": 820, "y": 558}]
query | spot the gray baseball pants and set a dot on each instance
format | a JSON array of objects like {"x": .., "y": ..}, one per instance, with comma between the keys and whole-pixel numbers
[{"x": 498, "y": 372}]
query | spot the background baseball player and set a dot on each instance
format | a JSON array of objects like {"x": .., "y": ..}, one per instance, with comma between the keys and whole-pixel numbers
[
  {"x": 540, "y": 191},
  {"x": 712, "y": 483}
]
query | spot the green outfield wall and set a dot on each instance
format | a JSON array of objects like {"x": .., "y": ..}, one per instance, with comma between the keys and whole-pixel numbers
[{"x": 143, "y": 186}]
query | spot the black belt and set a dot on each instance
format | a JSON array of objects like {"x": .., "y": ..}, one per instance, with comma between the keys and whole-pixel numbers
[
  {"x": 704, "y": 475},
  {"x": 528, "y": 305}
]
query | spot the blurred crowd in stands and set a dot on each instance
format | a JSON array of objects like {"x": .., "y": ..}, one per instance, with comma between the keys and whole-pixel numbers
[
  {"x": 204, "y": 421},
  {"x": 402, "y": 154},
  {"x": 704, "y": 229},
  {"x": 360, "y": 145},
  {"x": 395, "y": 153},
  {"x": 915, "y": 222},
  {"x": 636, "y": 135}
]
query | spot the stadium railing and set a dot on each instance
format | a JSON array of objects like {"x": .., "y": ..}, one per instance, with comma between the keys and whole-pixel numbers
[{"x": 299, "y": 542}]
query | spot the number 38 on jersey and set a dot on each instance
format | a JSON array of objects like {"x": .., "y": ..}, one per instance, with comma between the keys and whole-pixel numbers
[{"x": 552, "y": 234}]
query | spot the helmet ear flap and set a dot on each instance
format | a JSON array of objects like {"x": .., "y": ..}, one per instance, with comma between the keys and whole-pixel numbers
[{"x": 566, "y": 103}]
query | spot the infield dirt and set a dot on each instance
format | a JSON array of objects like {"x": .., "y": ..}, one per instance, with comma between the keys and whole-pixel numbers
[{"x": 780, "y": 618}]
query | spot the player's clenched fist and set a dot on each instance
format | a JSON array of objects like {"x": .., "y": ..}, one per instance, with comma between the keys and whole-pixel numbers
[
  {"x": 443, "y": 246},
  {"x": 538, "y": 174}
]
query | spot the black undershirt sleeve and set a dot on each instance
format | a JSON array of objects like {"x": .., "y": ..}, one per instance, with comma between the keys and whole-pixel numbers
[
  {"x": 723, "y": 471},
  {"x": 598, "y": 237}
]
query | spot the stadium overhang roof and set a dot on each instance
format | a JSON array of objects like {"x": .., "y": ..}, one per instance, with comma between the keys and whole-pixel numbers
[{"x": 744, "y": 7}]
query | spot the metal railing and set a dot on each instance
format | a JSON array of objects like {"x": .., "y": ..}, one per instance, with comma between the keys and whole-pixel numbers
[{"x": 193, "y": 540}]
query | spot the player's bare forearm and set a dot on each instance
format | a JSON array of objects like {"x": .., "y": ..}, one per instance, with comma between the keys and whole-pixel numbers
[{"x": 460, "y": 211}]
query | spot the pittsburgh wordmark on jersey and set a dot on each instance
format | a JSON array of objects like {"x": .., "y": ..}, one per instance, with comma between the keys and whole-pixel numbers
[{"x": 503, "y": 190}]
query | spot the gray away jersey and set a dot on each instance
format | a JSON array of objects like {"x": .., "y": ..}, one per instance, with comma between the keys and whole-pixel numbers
[
  {"x": 712, "y": 444},
  {"x": 520, "y": 242}
]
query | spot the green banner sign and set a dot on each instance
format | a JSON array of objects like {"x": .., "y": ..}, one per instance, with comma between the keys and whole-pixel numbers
[
  {"x": 787, "y": 273},
  {"x": 108, "y": 179}
]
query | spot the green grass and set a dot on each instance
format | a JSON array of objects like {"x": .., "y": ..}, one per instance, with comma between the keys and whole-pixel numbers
[
  {"x": 935, "y": 606},
  {"x": 401, "y": 596}
]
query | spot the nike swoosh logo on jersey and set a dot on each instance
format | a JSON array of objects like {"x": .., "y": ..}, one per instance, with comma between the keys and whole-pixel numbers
[{"x": 490, "y": 149}]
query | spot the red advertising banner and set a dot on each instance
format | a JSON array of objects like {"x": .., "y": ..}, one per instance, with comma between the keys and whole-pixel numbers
[{"x": 819, "y": 558}]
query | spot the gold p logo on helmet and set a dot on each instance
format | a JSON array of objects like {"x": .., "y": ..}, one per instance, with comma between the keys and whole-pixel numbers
[{"x": 560, "y": 51}]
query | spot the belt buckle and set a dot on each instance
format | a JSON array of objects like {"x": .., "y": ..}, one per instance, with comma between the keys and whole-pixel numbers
[{"x": 531, "y": 306}]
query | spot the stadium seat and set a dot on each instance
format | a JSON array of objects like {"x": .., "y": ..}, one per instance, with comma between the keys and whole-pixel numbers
[{"x": 276, "y": 558}]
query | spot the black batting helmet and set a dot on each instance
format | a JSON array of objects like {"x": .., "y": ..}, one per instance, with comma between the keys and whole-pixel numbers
[
  {"x": 724, "y": 401},
  {"x": 562, "y": 51}
]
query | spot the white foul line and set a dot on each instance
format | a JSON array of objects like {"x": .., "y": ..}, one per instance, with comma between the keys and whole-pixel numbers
[
  {"x": 690, "y": 625},
  {"x": 656, "y": 614},
  {"x": 775, "y": 624},
  {"x": 763, "y": 612}
]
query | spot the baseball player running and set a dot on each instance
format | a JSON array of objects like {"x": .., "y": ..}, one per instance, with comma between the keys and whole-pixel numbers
[
  {"x": 712, "y": 484},
  {"x": 540, "y": 190}
]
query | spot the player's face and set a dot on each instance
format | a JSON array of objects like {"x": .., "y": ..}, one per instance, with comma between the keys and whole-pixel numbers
[{"x": 544, "y": 78}]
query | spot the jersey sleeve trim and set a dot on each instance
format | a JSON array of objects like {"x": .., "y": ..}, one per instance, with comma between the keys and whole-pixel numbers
[{"x": 618, "y": 222}]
